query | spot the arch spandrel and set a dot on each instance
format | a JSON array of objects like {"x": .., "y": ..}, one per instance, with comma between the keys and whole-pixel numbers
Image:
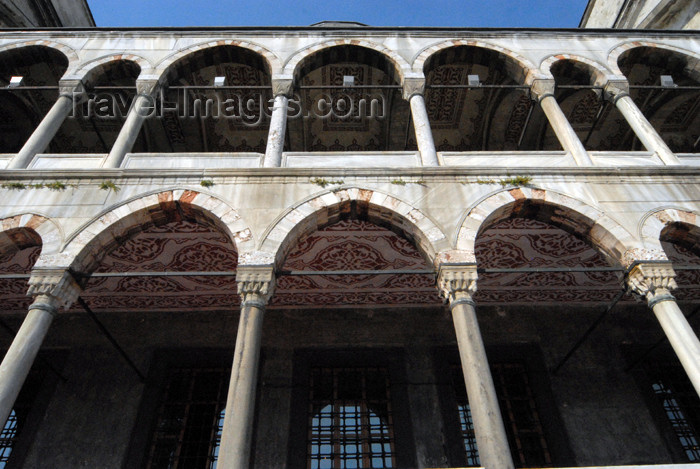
[
  {"x": 85, "y": 247},
  {"x": 326, "y": 207},
  {"x": 568, "y": 213},
  {"x": 293, "y": 63}
]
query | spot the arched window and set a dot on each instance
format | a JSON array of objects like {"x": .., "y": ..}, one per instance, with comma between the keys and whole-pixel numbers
[{"x": 350, "y": 419}]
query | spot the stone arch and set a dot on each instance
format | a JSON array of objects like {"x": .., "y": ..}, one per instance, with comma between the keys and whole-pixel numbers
[
  {"x": 93, "y": 67},
  {"x": 616, "y": 52},
  {"x": 601, "y": 74},
  {"x": 401, "y": 67},
  {"x": 68, "y": 52},
  {"x": 272, "y": 62},
  {"x": 323, "y": 208},
  {"x": 527, "y": 68},
  {"x": 85, "y": 247},
  {"x": 653, "y": 223},
  {"x": 47, "y": 230},
  {"x": 568, "y": 213}
]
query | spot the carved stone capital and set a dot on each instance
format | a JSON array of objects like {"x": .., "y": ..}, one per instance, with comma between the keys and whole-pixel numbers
[
  {"x": 652, "y": 280},
  {"x": 59, "y": 284},
  {"x": 70, "y": 87},
  {"x": 146, "y": 87},
  {"x": 615, "y": 89},
  {"x": 282, "y": 85},
  {"x": 540, "y": 88},
  {"x": 413, "y": 85},
  {"x": 255, "y": 284},
  {"x": 457, "y": 282}
]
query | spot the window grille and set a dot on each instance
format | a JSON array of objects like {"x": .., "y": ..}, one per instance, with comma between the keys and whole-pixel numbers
[
  {"x": 520, "y": 416},
  {"x": 350, "y": 419},
  {"x": 190, "y": 419},
  {"x": 680, "y": 404},
  {"x": 12, "y": 429}
]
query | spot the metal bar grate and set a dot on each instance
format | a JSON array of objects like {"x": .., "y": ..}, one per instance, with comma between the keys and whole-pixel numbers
[
  {"x": 350, "y": 419},
  {"x": 190, "y": 419}
]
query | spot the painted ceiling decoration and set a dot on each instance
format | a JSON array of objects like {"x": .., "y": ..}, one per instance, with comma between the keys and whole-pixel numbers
[
  {"x": 348, "y": 245},
  {"x": 355, "y": 245}
]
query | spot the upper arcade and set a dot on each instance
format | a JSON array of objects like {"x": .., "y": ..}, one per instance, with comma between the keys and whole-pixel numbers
[{"x": 348, "y": 96}]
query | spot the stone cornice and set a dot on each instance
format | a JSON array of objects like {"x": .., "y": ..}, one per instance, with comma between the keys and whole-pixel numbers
[
  {"x": 59, "y": 284},
  {"x": 457, "y": 281},
  {"x": 255, "y": 284},
  {"x": 652, "y": 280}
]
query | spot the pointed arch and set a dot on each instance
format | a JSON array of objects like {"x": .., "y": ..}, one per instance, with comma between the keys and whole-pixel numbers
[
  {"x": 326, "y": 207},
  {"x": 69, "y": 53},
  {"x": 48, "y": 231},
  {"x": 87, "y": 245},
  {"x": 401, "y": 66},
  {"x": 616, "y": 52},
  {"x": 653, "y": 224},
  {"x": 566, "y": 212},
  {"x": 523, "y": 68},
  {"x": 271, "y": 61},
  {"x": 600, "y": 75},
  {"x": 94, "y": 67}
]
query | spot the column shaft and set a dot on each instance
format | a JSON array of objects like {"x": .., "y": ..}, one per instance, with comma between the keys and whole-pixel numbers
[
  {"x": 646, "y": 133},
  {"x": 128, "y": 133},
  {"x": 237, "y": 434},
  {"x": 424, "y": 135},
  {"x": 44, "y": 133},
  {"x": 681, "y": 337},
  {"x": 490, "y": 433},
  {"x": 565, "y": 133},
  {"x": 21, "y": 354},
  {"x": 275, "y": 137}
]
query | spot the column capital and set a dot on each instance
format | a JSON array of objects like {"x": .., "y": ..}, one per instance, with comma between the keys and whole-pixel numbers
[
  {"x": 255, "y": 284},
  {"x": 58, "y": 284},
  {"x": 146, "y": 86},
  {"x": 457, "y": 282},
  {"x": 652, "y": 280},
  {"x": 540, "y": 88},
  {"x": 412, "y": 86},
  {"x": 70, "y": 87},
  {"x": 282, "y": 85},
  {"x": 615, "y": 89}
]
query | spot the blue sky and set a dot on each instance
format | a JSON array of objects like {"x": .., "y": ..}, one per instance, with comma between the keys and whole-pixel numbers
[{"x": 464, "y": 13}]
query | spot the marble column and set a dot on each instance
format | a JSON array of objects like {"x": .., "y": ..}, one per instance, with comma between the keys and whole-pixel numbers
[
  {"x": 654, "y": 280},
  {"x": 617, "y": 91},
  {"x": 413, "y": 90},
  {"x": 70, "y": 94},
  {"x": 142, "y": 107},
  {"x": 51, "y": 290},
  {"x": 281, "y": 88},
  {"x": 543, "y": 90},
  {"x": 458, "y": 284},
  {"x": 255, "y": 286}
]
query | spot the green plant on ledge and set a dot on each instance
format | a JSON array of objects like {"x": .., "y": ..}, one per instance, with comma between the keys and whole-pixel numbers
[
  {"x": 401, "y": 182},
  {"x": 13, "y": 185},
  {"x": 206, "y": 183},
  {"x": 109, "y": 185},
  {"x": 510, "y": 181},
  {"x": 55, "y": 186},
  {"x": 325, "y": 182}
]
